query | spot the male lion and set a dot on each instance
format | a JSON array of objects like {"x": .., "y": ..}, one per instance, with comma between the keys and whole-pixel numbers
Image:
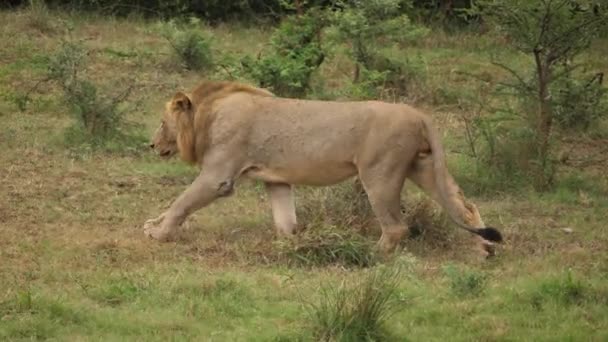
[{"x": 232, "y": 130}]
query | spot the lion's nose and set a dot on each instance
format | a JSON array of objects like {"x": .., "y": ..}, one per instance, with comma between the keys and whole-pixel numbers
[{"x": 152, "y": 145}]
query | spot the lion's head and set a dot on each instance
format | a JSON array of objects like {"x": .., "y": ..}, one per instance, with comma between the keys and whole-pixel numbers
[
  {"x": 186, "y": 118},
  {"x": 175, "y": 133}
]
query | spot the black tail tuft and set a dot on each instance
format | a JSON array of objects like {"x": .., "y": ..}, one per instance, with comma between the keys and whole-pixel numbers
[{"x": 490, "y": 234}]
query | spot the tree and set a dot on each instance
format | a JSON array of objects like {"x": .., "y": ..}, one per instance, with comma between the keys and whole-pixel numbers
[{"x": 553, "y": 32}]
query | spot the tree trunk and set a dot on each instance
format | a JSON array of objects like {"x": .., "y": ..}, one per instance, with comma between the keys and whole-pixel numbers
[
  {"x": 447, "y": 9},
  {"x": 544, "y": 119}
]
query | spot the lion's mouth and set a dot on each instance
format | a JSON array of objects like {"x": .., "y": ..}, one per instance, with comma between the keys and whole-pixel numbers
[{"x": 165, "y": 153}]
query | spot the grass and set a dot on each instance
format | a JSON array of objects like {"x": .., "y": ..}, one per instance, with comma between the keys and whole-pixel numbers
[
  {"x": 75, "y": 265},
  {"x": 358, "y": 312},
  {"x": 465, "y": 282},
  {"x": 327, "y": 246}
]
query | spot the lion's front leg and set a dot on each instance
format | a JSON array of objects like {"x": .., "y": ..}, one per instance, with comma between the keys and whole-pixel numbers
[
  {"x": 283, "y": 208},
  {"x": 207, "y": 187}
]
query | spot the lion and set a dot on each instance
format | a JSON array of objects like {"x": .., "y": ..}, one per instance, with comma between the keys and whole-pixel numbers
[{"x": 232, "y": 130}]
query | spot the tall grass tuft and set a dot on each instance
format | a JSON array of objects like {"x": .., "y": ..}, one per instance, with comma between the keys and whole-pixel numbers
[
  {"x": 358, "y": 312},
  {"x": 327, "y": 246},
  {"x": 39, "y": 17},
  {"x": 343, "y": 205}
]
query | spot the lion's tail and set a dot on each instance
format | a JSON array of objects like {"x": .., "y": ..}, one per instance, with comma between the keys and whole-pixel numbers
[{"x": 441, "y": 176}]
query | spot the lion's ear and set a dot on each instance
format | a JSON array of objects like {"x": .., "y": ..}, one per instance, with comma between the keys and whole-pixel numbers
[{"x": 181, "y": 101}]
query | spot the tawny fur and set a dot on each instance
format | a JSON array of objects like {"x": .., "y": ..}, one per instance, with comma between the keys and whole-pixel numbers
[
  {"x": 232, "y": 130},
  {"x": 191, "y": 147}
]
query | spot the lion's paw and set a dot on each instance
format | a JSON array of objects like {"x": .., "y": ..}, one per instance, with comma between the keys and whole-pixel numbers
[
  {"x": 482, "y": 248},
  {"x": 153, "y": 229},
  {"x": 488, "y": 248}
]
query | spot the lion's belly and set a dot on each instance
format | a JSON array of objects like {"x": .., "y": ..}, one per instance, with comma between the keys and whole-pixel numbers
[
  {"x": 303, "y": 153},
  {"x": 309, "y": 174}
]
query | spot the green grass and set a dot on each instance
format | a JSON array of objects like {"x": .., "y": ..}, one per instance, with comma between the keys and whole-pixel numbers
[
  {"x": 358, "y": 311},
  {"x": 75, "y": 265},
  {"x": 465, "y": 282}
]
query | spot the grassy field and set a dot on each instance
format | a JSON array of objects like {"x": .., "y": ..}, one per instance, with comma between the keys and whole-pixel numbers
[{"x": 75, "y": 264}]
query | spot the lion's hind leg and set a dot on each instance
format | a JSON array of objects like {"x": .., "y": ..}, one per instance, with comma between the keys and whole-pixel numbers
[{"x": 383, "y": 182}]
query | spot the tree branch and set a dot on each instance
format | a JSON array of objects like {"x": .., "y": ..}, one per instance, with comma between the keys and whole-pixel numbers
[
  {"x": 524, "y": 84},
  {"x": 544, "y": 23},
  {"x": 575, "y": 30}
]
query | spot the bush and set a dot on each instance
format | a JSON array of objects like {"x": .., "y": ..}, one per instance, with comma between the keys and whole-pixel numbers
[
  {"x": 211, "y": 10},
  {"x": 296, "y": 52},
  {"x": 369, "y": 27},
  {"x": 370, "y": 85},
  {"x": 357, "y": 312},
  {"x": 216, "y": 11},
  {"x": 100, "y": 118},
  {"x": 389, "y": 80},
  {"x": 192, "y": 47}
]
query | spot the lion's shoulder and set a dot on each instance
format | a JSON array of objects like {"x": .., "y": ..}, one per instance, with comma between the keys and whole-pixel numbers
[{"x": 210, "y": 91}]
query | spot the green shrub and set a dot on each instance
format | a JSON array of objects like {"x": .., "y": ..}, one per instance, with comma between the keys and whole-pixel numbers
[
  {"x": 368, "y": 27},
  {"x": 100, "y": 117},
  {"x": 251, "y": 10},
  {"x": 190, "y": 44},
  {"x": 357, "y": 312},
  {"x": 296, "y": 52},
  {"x": 370, "y": 85},
  {"x": 389, "y": 80},
  {"x": 283, "y": 76},
  {"x": 212, "y": 10}
]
